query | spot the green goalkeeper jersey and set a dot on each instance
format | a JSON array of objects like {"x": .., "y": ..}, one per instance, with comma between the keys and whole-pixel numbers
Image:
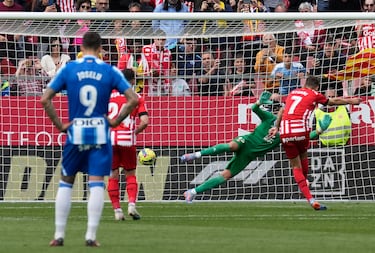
[
  {"x": 258, "y": 143},
  {"x": 255, "y": 144}
]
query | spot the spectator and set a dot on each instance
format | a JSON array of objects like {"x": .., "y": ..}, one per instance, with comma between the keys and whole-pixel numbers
[
  {"x": 322, "y": 5},
  {"x": 366, "y": 87},
  {"x": 368, "y": 5},
  {"x": 66, "y": 5},
  {"x": 211, "y": 81},
  {"x": 136, "y": 7},
  {"x": 55, "y": 59},
  {"x": 266, "y": 59},
  {"x": 310, "y": 35},
  {"x": 158, "y": 60},
  {"x": 45, "y": 6},
  {"x": 288, "y": 73},
  {"x": 10, "y": 5},
  {"x": 338, "y": 132},
  {"x": 132, "y": 59},
  {"x": 271, "y": 4},
  {"x": 344, "y": 6},
  {"x": 329, "y": 61},
  {"x": 101, "y": 5},
  {"x": 120, "y": 41},
  {"x": 240, "y": 82},
  {"x": 179, "y": 85},
  {"x": 366, "y": 31},
  {"x": 172, "y": 28},
  {"x": 251, "y": 26},
  {"x": 284, "y": 39},
  {"x": 295, "y": 4},
  {"x": 145, "y": 6},
  {"x": 211, "y": 26},
  {"x": 7, "y": 41},
  {"x": 189, "y": 60},
  {"x": 31, "y": 79},
  {"x": 81, "y": 6}
]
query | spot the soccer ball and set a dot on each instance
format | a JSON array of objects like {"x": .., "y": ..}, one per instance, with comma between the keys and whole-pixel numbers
[{"x": 147, "y": 157}]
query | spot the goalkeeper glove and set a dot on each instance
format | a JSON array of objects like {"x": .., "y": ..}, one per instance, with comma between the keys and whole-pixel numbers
[
  {"x": 264, "y": 98},
  {"x": 324, "y": 123}
]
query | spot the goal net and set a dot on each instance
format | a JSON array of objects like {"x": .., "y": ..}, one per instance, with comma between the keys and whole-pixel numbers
[{"x": 199, "y": 85}]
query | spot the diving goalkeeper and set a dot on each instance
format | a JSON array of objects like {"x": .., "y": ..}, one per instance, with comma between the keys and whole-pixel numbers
[{"x": 246, "y": 148}]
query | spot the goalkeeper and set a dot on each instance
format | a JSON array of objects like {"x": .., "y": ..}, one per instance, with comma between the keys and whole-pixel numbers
[{"x": 246, "y": 148}]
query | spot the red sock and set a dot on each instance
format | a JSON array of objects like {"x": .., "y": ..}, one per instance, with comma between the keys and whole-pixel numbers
[
  {"x": 301, "y": 181},
  {"x": 131, "y": 188},
  {"x": 305, "y": 166},
  {"x": 114, "y": 192}
]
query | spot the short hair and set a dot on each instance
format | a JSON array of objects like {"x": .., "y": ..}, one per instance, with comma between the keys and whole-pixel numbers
[
  {"x": 312, "y": 82},
  {"x": 305, "y": 6},
  {"x": 128, "y": 74},
  {"x": 288, "y": 51},
  {"x": 135, "y": 4},
  {"x": 92, "y": 40}
]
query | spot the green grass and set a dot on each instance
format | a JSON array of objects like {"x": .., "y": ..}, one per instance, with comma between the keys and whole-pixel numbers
[{"x": 210, "y": 227}]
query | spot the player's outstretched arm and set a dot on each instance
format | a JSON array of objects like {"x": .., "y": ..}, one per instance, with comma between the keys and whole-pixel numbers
[
  {"x": 323, "y": 125},
  {"x": 344, "y": 101},
  {"x": 131, "y": 103},
  {"x": 263, "y": 99}
]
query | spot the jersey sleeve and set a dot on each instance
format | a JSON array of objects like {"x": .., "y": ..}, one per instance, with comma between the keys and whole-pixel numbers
[
  {"x": 321, "y": 99},
  {"x": 263, "y": 115},
  {"x": 142, "y": 109}
]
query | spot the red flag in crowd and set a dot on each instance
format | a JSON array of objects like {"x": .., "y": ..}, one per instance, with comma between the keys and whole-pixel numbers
[{"x": 359, "y": 65}]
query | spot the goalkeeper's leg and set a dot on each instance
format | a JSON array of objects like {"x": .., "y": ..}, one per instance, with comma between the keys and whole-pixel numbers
[{"x": 214, "y": 150}]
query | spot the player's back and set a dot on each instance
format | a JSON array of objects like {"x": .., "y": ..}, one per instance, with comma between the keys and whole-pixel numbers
[
  {"x": 299, "y": 106},
  {"x": 116, "y": 102},
  {"x": 89, "y": 82}
]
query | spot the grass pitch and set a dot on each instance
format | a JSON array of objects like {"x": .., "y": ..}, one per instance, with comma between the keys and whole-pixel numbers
[{"x": 235, "y": 227}]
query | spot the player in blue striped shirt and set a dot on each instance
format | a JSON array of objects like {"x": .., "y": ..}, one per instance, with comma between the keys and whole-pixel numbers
[{"x": 88, "y": 82}]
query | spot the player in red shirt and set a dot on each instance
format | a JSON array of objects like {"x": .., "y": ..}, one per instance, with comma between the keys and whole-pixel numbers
[
  {"x": 293, "y": 122},
  {"x": 123, "y": 140}
]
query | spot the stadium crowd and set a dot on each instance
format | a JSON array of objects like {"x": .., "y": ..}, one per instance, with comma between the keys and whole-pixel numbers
[{"x": 175, "y": 63}]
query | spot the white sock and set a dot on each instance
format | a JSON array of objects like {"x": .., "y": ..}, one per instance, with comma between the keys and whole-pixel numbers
[
  {"x": 62, "y": 208},
  {"x": 198, "y": 154},
  {"x": 94, "y": 208}
]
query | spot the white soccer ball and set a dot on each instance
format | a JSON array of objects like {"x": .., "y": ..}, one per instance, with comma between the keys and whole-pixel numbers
[{"x": 147, "y": 157}]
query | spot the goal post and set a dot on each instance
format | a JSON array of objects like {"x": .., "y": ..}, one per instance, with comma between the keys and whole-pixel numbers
[{"x": 30, "y": 147}]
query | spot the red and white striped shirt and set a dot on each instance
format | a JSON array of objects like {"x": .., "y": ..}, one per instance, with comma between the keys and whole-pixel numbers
[
  {"x": 124, "y": 134},
  {"x": 367, "y": 37},
  {"x": 299, "y": 106},
  {"x": 66, "y": 5}
]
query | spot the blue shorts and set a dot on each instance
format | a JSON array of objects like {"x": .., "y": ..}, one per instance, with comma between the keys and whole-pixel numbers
[{"x": 95, "y": 160}]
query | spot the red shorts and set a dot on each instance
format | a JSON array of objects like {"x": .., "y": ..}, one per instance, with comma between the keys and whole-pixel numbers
[
  {"x": 125, "y": 157},
  {"x": 295, "y": 146}
]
